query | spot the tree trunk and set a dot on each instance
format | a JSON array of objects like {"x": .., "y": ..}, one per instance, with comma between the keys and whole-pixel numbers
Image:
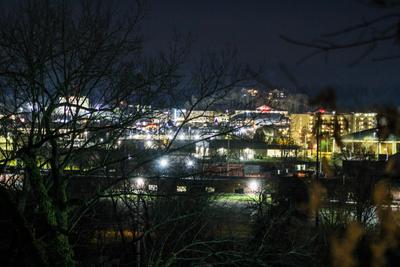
[{"x": 58, "y": 248}]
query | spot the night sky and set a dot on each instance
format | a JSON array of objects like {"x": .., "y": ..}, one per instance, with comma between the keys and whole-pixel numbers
[{"x": 254, "y": 26}]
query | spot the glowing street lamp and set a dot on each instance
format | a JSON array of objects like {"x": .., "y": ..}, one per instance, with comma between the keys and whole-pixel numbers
[
  {"x": 189, "y": 163},
  {"x": 163, "y": 163},
  {"x": 139, "y": 182},
  {"x": 254, "y": 186}
]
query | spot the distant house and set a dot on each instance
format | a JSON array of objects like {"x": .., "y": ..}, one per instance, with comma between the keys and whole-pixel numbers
[{"x": 245, "y": 150}]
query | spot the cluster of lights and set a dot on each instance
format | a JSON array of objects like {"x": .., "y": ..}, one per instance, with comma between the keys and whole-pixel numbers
[
  {"x": 254, "y": 186},
  {"x": 163, "y": 163}
]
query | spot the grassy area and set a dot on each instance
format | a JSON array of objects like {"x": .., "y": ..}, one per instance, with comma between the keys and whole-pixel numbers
[{"x": 231, "y": 197}]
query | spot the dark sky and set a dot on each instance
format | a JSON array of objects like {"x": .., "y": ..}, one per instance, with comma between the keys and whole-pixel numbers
[{"x": 254, "y": 26}]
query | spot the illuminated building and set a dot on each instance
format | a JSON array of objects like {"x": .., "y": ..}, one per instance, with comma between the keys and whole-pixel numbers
[
  {"x": 367, "y": 145},
  {"x": 303, "y": 127},
  {"x": 73, "y": 106},
  {"x": 363, "y": 121}
]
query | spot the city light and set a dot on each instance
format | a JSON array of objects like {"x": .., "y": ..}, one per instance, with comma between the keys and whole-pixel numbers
[
  {"x": 139, "y": 182},
  {"x": 254, "y": 186},
  {"x": 249, "y": 153},
  {"x": 182, "y": 136},
  {"x": 189, "y": 163},
  {"x": 163, "y": 163},
  {"x": 242, "y": 131},
  {"x": 149, "y": 144}
]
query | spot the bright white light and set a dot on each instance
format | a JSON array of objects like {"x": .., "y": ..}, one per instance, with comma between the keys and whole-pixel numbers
[
  {"x": 249, "y": 153},
  {"x": 254, "y": 186},
  {"x": 164, "y": 163},
  {"x": 189, "y": 163},
  {"x": 139, "y": 182},
  {"x": 149, "y": 144}
]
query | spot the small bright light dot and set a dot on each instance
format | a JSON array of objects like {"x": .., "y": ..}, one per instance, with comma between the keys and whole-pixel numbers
[
  {"x": 163, "y": 163},
  {"x": 190, "y": 163},
  {"x": 254, "y": 186}
]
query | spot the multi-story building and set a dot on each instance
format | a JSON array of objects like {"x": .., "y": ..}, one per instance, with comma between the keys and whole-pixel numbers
[
  {"x": 331, "y": 124},
  {"x": 363, "y": 121},
  {"x": 293, "y": 102}
]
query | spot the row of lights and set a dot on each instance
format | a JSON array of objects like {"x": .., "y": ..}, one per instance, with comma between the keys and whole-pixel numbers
[
  {"x": 254, "y": 186},
  {"x": 163, "y": 163}
]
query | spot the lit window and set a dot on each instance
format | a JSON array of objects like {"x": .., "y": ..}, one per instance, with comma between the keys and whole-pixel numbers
[
  {"x": 153, "y": 187},
  {"x": 210, "y": 189},
  {"x": 181, "y": 188}
]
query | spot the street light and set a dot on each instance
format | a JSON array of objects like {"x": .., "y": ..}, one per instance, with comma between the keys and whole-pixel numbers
[
  {"x": 189, "y": 163},
  {"x": 254, "y": 186},
  {"x": 163, "y": 163},
  {"x": 139, "y": 182}
]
